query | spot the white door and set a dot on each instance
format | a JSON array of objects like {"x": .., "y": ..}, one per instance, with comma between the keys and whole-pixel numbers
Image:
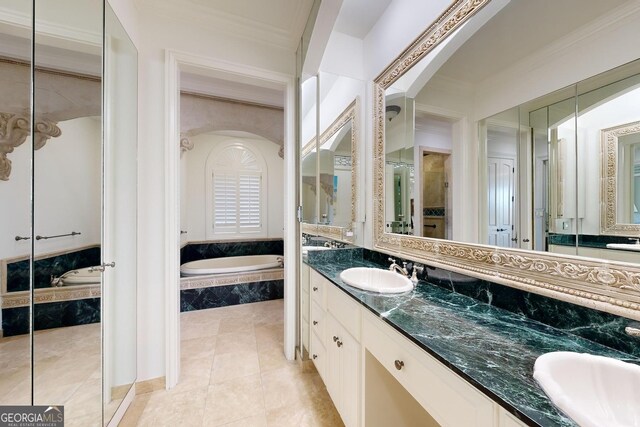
[{"x": 501, "y": 182}]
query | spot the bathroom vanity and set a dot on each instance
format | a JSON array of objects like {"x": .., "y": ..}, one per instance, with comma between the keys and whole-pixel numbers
[{"x": 429, "y": 356}]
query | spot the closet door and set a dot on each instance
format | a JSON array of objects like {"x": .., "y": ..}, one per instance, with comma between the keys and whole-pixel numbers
[
  {"x": 67, "y": 354},
  {"x": 15, "y": 200},
  {"x": 120, "y": 215}
]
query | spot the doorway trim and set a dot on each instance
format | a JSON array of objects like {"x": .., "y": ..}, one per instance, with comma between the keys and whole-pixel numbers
[{"x": 176, "y": 61}]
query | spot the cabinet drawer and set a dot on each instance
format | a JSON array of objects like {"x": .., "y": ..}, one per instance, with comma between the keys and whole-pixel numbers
[
  {"x": 318, "y": 321},
  {"x": 318, "y": 355},
  {"x": 318, "y": 289},
  {"x": 345, "y": 310},
  {"x": 449, "y": 399}
]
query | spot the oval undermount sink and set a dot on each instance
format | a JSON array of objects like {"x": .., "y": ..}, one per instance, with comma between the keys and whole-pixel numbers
[
  {"x": 624, "y": 246},
  {"x": 306, "y": 249},
  {"x": 593, "y": 390},
  {"x": 376, "y": 280}
]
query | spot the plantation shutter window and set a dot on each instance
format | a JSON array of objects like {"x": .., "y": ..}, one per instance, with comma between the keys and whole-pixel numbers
[{"x": 238, "y": 204}]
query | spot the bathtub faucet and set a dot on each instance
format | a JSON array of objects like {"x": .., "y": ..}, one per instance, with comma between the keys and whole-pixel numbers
[
  {"x": 59, "y": 281},
  {"x": 280, "y": 259}
]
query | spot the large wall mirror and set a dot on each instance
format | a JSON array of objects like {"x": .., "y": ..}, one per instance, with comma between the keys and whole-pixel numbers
[
  {"x": 330, "y": 161},
  {"x": 495, "y": 138}
]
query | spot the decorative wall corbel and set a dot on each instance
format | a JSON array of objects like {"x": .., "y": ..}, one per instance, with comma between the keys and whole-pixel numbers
[
  {"x": 44, "y": 131},
  {"x": 185, "y": 144},
  {"x": 14, "y": 129}
]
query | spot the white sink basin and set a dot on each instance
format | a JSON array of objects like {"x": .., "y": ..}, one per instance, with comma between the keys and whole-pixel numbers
[
  {"x": 625, "y": 246},
  {"x": 594, "y": 391},
  {"x": 376, "y": 280},
  {"x": 306, "y": 249}
]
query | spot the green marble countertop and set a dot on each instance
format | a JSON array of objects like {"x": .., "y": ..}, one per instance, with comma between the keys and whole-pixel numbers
[{"x": 491, "y": 348}]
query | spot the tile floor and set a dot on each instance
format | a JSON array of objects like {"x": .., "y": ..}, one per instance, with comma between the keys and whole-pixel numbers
[
  {"x": 234, "y": 374},
  {"x": 67, "y": 371}
]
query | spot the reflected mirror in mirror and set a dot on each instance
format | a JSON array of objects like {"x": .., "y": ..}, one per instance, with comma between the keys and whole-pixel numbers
[
  {"x": 335, "y": 173},
  {"x": 309, "y": 152},
  {"x": 418, "y": 166},
  {"x": 67, "y": 356},
  {"x": 15, "y": 199}
]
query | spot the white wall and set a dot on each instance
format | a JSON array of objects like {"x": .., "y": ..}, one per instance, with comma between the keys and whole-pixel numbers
[
  {"x": 67, "y": 195},
  {"x": 194, "y": 190}
]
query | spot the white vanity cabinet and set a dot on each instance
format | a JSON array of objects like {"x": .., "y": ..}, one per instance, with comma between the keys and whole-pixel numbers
[
  {"x": 335, "y": 346},
  {"x": 367, "y": 366}
]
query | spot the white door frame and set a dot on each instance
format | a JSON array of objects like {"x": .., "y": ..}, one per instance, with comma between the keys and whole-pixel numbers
[{"x": 174, "y": 62}]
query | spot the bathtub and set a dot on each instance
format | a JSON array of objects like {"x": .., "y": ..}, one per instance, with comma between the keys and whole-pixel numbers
[
  {"x": 234, "y": 264},
  {"x": 79, "y": 276}
]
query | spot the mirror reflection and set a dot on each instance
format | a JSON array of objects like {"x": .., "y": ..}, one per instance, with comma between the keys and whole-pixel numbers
[
  {"x": 15, "y": 199},
  {"x": 540, "y": 180}
]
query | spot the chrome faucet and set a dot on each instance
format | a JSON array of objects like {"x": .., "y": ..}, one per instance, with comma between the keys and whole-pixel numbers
[
  {"x": 395, "y": 267},
  {"x": 59, "y": 281},
  {"x": 635, "y": 240},
  {"x": 417, "y": 268}
]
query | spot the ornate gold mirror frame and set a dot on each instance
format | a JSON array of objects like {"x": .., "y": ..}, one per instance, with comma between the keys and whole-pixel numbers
[
  {"x": 609, "y": 188},
  {"x": 608, "y": 286},
  {"x": 332, "y": 231}
]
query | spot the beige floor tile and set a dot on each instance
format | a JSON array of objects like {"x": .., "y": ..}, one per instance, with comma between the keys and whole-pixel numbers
[
  {"x": 197, "y": 348},
  {"x": 255, "y": 421},
  {"x": 251, "y": 382},
  {"x": 235, "y": 341},
  {"x": 271, "y": 336},
  {"x": 273, "y": 358},
  {"x": 237, "y": 364},
  {"x": 234, "y": 400},
  {"x": 231, "y": 325},
  {"x": 198, "y": 327},
  {"x": 166, "y": 408}
]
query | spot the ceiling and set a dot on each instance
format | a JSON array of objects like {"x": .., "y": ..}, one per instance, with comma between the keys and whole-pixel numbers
[
  {"x": 520, "y": 29},
  {"x": 357, "y": 17},
  {"x": 276, "y": 22}
]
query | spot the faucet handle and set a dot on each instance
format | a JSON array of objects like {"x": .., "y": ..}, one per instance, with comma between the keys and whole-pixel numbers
[{"x": 393, "y": 260}]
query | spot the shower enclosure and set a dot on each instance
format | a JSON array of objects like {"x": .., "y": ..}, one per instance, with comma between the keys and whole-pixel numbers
[{"x": 68, "y": 170}]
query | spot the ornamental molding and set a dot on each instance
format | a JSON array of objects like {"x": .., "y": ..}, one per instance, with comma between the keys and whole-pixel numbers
[
  {"x": 231, "y": 279},
  {"x": 45, "y": 295},
  {"x": 185, "y": 144},
  {"x": 14, "y": 130},
  {"x": 612, "y": 287},
  {"x": 609, "y": 181}
]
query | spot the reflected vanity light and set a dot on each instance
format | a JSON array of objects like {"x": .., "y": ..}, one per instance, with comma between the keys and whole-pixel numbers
[{"x": 391, "y": 112}]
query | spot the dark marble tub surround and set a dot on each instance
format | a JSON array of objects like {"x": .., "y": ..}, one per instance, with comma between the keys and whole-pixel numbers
[
  {"x": 18, "y": 272},
  {"x": 219, "y": 249},
  {"x": 222, "y": 296},
  {"x": 491, "y": 347},
  {"x": 15, "y": 321},
  {"x": 311, "y": 240}
]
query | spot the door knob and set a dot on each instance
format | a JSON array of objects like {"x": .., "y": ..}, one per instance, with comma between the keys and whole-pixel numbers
[
  {"x": 315, "y": 289},
  {"x": 315, "y": 322},
  {"x": 526, "y": 240}
]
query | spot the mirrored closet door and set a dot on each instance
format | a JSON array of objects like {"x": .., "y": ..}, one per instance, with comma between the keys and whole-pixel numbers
[{"x": 68, "y": 171}]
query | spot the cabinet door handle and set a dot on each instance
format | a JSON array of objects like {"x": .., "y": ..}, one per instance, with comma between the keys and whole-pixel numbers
[
  {"x": 339, "y": 343},
  {"x": 399, "y": 364},
  {"x": 315, "y": 289},
  {"x": 526, "y": 240},
  {"x": 335, "y": 338},
  {"x": 315, "y": 356},
  {"x": 315, "y": 322}
]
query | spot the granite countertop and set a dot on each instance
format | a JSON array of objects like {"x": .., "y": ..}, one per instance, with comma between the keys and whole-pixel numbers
[{"x": 492, "y": 348}]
